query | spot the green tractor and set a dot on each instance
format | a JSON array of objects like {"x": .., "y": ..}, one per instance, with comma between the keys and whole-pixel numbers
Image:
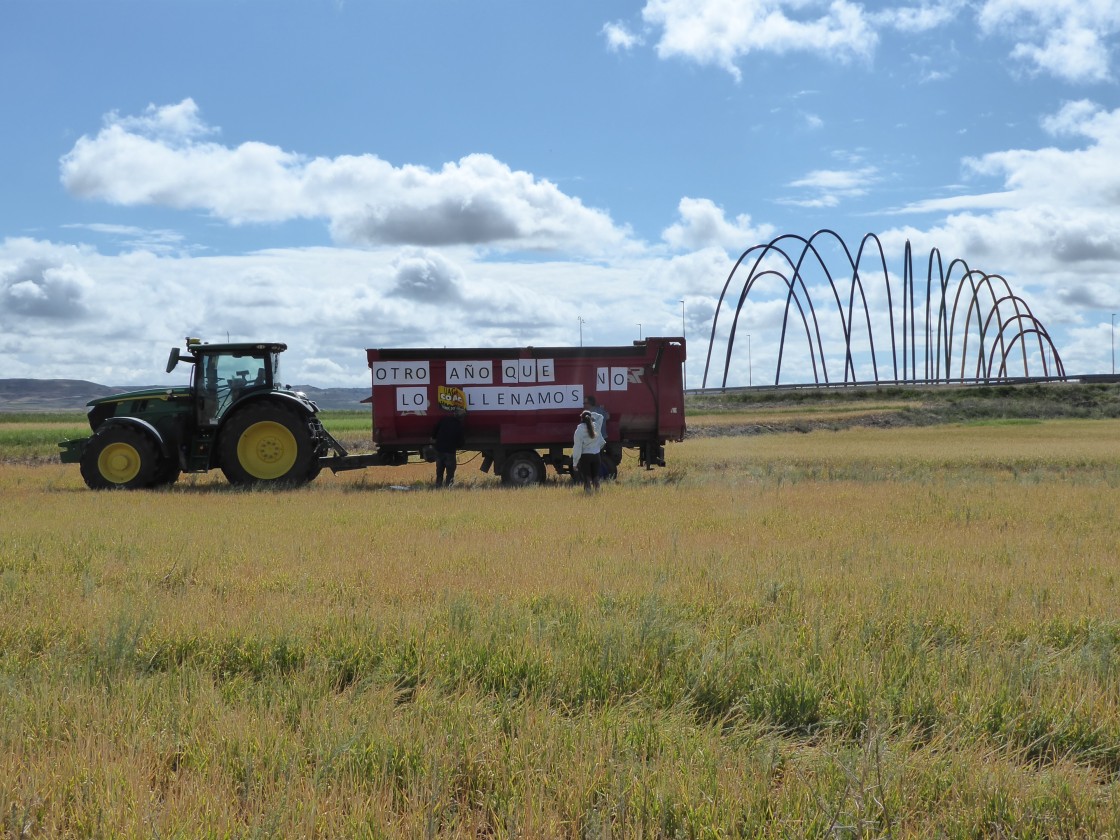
[{"x": 233, "y": 415}]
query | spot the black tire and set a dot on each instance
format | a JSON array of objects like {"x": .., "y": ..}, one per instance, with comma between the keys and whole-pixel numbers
[
  {"x": 167, "y": 473},
  {"x": 266, "y": 444},
  {"x": 523, "y": 469},
  {"x": 120, "y": 458},
  {"x": 610, "y": 465}
]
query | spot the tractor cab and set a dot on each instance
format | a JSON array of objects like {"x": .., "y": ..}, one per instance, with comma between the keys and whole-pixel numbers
[{"x": 224, "y": 373}]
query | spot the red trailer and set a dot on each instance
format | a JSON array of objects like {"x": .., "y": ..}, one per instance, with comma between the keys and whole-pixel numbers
[{"x": 523, "y": 404}]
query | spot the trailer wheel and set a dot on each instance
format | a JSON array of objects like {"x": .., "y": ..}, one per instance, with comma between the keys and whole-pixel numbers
[
  {"x": 266, "y": 444},
  {"x": 120, "y": 457},
  {"x": 610, "y": 465},
  {"x": 522, "y": 469}
]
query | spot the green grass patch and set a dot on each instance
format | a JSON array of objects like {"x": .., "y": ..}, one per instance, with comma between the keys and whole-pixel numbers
[
  {"x": 38, "y": 441},
  {"x": 348, "y": 423},
  {"x": 53, "y": 417},
  {"x": 931, "y": 404}
]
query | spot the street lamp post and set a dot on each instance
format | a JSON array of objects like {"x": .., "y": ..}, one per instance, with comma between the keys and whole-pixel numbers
[
  {"x": 581, "y": 323},
  {"x": 750, "y": 367},
  {"x": 1113, "y": 343}
]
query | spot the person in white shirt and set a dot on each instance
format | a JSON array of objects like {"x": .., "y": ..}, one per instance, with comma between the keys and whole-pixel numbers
[
  {"x": 587, "y": 443},
  {"x": 600, "y": 416}
]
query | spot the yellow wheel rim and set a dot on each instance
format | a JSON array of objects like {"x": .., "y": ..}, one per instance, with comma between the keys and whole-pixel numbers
[
  {"x": 267, "y": 450},
  {"x": 119, "y": 463}
]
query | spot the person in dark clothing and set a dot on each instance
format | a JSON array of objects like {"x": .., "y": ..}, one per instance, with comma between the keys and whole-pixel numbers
[
  {"x": 447, "y": 437},
  {"x": 599, "y": 412}
]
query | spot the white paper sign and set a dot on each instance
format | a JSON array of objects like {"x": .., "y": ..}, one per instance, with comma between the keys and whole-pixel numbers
[
  {"x": 527, "y": 371},
  {"x": 525, "y": 398},
  {"x": 611, "y": 379},
  {"x": 470, "y": 373},
  {"x": 412, "y": 399},
  {"x": 400, "y": 373}
]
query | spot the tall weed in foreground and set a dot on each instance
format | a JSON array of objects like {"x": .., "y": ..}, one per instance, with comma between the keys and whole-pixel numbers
[{"x": 837, "y": 635}]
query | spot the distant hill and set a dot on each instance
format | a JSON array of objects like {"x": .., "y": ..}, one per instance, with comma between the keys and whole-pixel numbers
[
  {"x": 50, "y": 394},
  {"x": 336, "y": 398},
  {"x": 73, "y": 394}
]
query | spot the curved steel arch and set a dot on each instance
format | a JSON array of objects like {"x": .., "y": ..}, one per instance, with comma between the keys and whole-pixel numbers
[
  {"x": 1002, "y": 323},
  {"x": 974, "y": 305},
  {"x": 747, "y": 285}
]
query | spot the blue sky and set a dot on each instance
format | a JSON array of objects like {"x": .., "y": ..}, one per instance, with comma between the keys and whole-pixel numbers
[{"x": 341, "y": 175}]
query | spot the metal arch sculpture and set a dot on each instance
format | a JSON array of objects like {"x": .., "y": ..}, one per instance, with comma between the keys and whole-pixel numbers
[{"x": 1000, "y": 320}]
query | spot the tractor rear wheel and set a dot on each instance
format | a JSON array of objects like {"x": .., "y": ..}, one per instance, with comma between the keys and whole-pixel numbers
[
  {"x": 266, "y": 444},
  {"x": 120, "y": 457},
  {"x": 522, "y": 469}
]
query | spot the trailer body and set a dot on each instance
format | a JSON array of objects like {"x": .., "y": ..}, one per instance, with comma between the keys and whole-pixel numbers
[{"x": 522, "y": 404}]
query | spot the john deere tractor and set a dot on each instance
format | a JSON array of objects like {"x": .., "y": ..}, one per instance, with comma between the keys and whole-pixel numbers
[{"x": 233, "y": 415}]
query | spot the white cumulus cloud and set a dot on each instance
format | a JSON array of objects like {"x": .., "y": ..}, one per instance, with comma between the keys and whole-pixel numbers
[
  {"x": 720, "y": 32},
  {"x": 162, "y": 159},
  {"x": 920, "y": 18},
  {"x": 41, "y": 284},
  {"x": 619, "y": 37},
  {"x": 828, "y": 187},
  {"x": 1069, "y": 39},
  {"x": 1066, "y": 38},
  {"x": 703, "y": 224}
]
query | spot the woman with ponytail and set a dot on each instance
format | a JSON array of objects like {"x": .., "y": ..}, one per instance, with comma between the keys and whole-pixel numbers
[{"x": 586, "y": 445}]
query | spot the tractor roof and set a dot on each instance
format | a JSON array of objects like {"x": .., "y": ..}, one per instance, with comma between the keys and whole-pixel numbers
[{"x": 238, "y": 347}]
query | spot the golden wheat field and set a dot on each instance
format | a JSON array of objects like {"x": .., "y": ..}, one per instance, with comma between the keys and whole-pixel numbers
[{"x": 856, "y": 634}]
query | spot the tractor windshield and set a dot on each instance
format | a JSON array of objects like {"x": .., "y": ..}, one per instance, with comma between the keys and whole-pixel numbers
[{"x": 225, "y": 377}]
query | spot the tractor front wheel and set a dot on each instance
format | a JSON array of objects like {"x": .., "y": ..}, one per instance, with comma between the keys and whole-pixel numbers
[
  {"x": 266, "y": 444},
  {"x": 167, "y": 473},
  {"x": 120, "y": 457}
]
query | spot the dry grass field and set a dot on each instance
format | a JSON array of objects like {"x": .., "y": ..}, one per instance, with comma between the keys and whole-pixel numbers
[{"x": 897, "y": 633}]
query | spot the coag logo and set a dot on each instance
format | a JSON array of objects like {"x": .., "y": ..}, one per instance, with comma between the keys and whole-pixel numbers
[{"x": 452, "y": 399}]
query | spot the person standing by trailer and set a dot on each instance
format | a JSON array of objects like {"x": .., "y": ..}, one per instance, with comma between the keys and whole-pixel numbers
[
  {"x": 600, "y": 414},
  {"x": 447, "y": 437},
  {"x": 587, "y": 443}
]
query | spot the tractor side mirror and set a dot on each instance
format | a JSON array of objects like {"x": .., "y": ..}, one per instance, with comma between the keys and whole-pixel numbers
[{"x": 173, "y": 359}]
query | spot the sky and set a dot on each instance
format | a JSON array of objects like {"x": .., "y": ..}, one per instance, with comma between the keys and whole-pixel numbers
[{"x": 340, "y": 175}]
